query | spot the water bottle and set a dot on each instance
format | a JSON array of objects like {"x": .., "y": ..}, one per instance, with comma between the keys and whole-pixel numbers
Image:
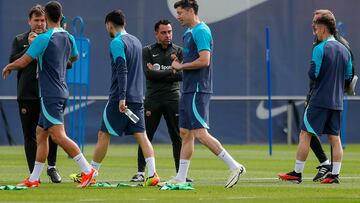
[{"x": 131, "y": 116}]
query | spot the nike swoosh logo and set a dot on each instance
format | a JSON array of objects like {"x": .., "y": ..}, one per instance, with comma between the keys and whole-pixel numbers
[
  {"x": 70, "y": 108},
  {"x": 215, "y": 12},
  {"x": 155, "y": 55},
  {"x": 263, "y": 113}
]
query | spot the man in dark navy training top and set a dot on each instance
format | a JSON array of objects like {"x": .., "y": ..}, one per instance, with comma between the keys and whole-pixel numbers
[
  {"x": 325, "y": 166},
  {"x": 196, "y": 92},
  {"x": 162, "y": 91},
  {"x": 331, "y": 66},
  {"x": 52, "y": 49},
  {"x": 126, "y": 93},
  {"x": 28, "y": 93}
]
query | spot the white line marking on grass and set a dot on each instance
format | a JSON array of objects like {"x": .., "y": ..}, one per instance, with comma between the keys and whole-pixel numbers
[{"x": 90, "y": 200}]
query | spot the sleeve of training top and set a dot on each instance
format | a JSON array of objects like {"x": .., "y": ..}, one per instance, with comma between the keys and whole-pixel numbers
[
  {"x": 16, "y": 51},
  {"x": 317, "y": 57},
  {"x": 74, "y": 50},
  {"x": 38, "y": 46},
  {"x": 117, "y": 49},
  {"x": 152, "y": 74},
  {"x": 202, "y": 38}
]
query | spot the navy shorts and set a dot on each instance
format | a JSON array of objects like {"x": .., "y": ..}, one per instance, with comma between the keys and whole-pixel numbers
[
  {"x": 321, "y": 121},
  {"x": 52, "y": 112},
  {"x": 194, "y": 110},
  {"x": 116, "y": 123}
]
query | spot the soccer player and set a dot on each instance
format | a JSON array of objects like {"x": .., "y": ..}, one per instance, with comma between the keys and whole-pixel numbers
[
  {"x": 52, "y": 49},
  {"x": 196, "y": 92},
  {"x": 162, "y": 91},
  {"x": 330, "y": 67},
  {"x": 126, "y": 92},
  {"x": 325, "y": 166},
  {"x": 28, "y": 93}
]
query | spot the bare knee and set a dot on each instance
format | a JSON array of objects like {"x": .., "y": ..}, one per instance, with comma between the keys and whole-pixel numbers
[
  {"x": 201, "y": 134},
  {"x": 103, "y": 137}
]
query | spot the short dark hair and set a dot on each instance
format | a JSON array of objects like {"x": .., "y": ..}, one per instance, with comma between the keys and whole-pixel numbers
[
  {"x": 117, "y": 17},
  {"x": 53, "y": 10},
  {"x": 161, "y": 22},
  {"x": 36, "y": 10},
  {"x": 187, "y": 4},
  {"x": 329, "y": 21}
]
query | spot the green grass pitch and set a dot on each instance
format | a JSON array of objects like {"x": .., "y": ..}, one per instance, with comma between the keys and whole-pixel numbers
[{"x": 209, "y": 173}]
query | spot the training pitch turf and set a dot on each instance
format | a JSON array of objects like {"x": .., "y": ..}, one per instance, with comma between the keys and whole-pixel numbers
[{"x": 209, "y": 173}]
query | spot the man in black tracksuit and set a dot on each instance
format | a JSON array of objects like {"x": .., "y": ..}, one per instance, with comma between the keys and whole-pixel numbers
[
  {"x": 162, "y": 91},
  {"x": 28, "y": 93},
  {"x": 325, "y": 165}
]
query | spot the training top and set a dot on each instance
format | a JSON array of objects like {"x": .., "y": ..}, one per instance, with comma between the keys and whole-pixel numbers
[
  {"x": 197, "y": 39},
  {"x": 126, "y": 68},
  {"x": 330, "y": 66},
  {"x": 163, "y": 84},
  {"x": 53, "y": 49}
]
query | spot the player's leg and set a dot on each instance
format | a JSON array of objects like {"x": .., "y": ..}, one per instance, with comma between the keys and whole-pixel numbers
[
  {"x": 52, "y": 171},
  {"x": 101, "y": 148},
  {"x": 29, "y": 116},
  {"x": 171, "y": 115},
  {"x": 153, "y": 115},
  {"x": 149, "y": 156},
  {"x": 335, "y": 143},
  {"x": 332, "y": 128},
  {"x": 325, "y": 166}
]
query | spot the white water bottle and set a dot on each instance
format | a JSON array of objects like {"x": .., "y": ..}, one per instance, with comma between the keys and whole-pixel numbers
[{"x": 131, "y": 116}]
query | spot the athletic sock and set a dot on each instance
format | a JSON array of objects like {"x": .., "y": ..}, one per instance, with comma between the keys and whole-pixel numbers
[
  {"x": 299, "y": 166},
  {"x": 327, "y": 162},
  {"x": 228, "y": 159},
  {"x": 336, "y": 168},
  {"x": 183, "y": 170},
  {"x": 150, "y": 162},
  {"x": 95, "y": 165},
  {"x": 35, "y": 175},
  {"x": 81, "y": 161}
]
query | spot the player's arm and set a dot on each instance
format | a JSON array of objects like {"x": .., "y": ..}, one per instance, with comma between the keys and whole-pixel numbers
[
  {"x": 203, "y": 40},
  {"x": 150, "y": 73},
  {"x": 202, "y": 62},
  {"x": 117, "y": 49},
  {"x": 36, "y": 48},
  {"x": 316, "y": 61},
  {"x": 20, "y": 63},
  {"x": 74, "y": 54}
]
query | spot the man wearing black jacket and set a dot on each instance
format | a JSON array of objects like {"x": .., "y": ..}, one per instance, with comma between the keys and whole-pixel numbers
[
  {"x": 28, "y": 93},
  {"x": 325, "y": 166},
  {"x": 162, "y": 91}
]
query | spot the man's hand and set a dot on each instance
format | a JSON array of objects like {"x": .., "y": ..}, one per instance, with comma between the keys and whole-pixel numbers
[
  {"x": 6, "y": 72},
  {"x": 122, "y": 106},
  {"x": 32, "y": 36},
  {"x": 176, "y": 65},
  {"x": 150, "y": 66}
]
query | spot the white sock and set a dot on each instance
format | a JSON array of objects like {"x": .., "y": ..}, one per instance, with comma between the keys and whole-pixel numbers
[
  {"x": 299, "y": 166},
  {"x": 95, "y": 165},
  {"x": 81, "y": 161},
  {"x": 183, "y": 170},
  {"x": 150, "y": 162},
  {"x": 49, "y": 167},
  {"x": 336, "y": 168},
  {"x": 140, "y": 173},
  {"x": 228, "y": 159},
  {"x": 35, "y": 175},
  {"x": 327, "y": 162}
]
